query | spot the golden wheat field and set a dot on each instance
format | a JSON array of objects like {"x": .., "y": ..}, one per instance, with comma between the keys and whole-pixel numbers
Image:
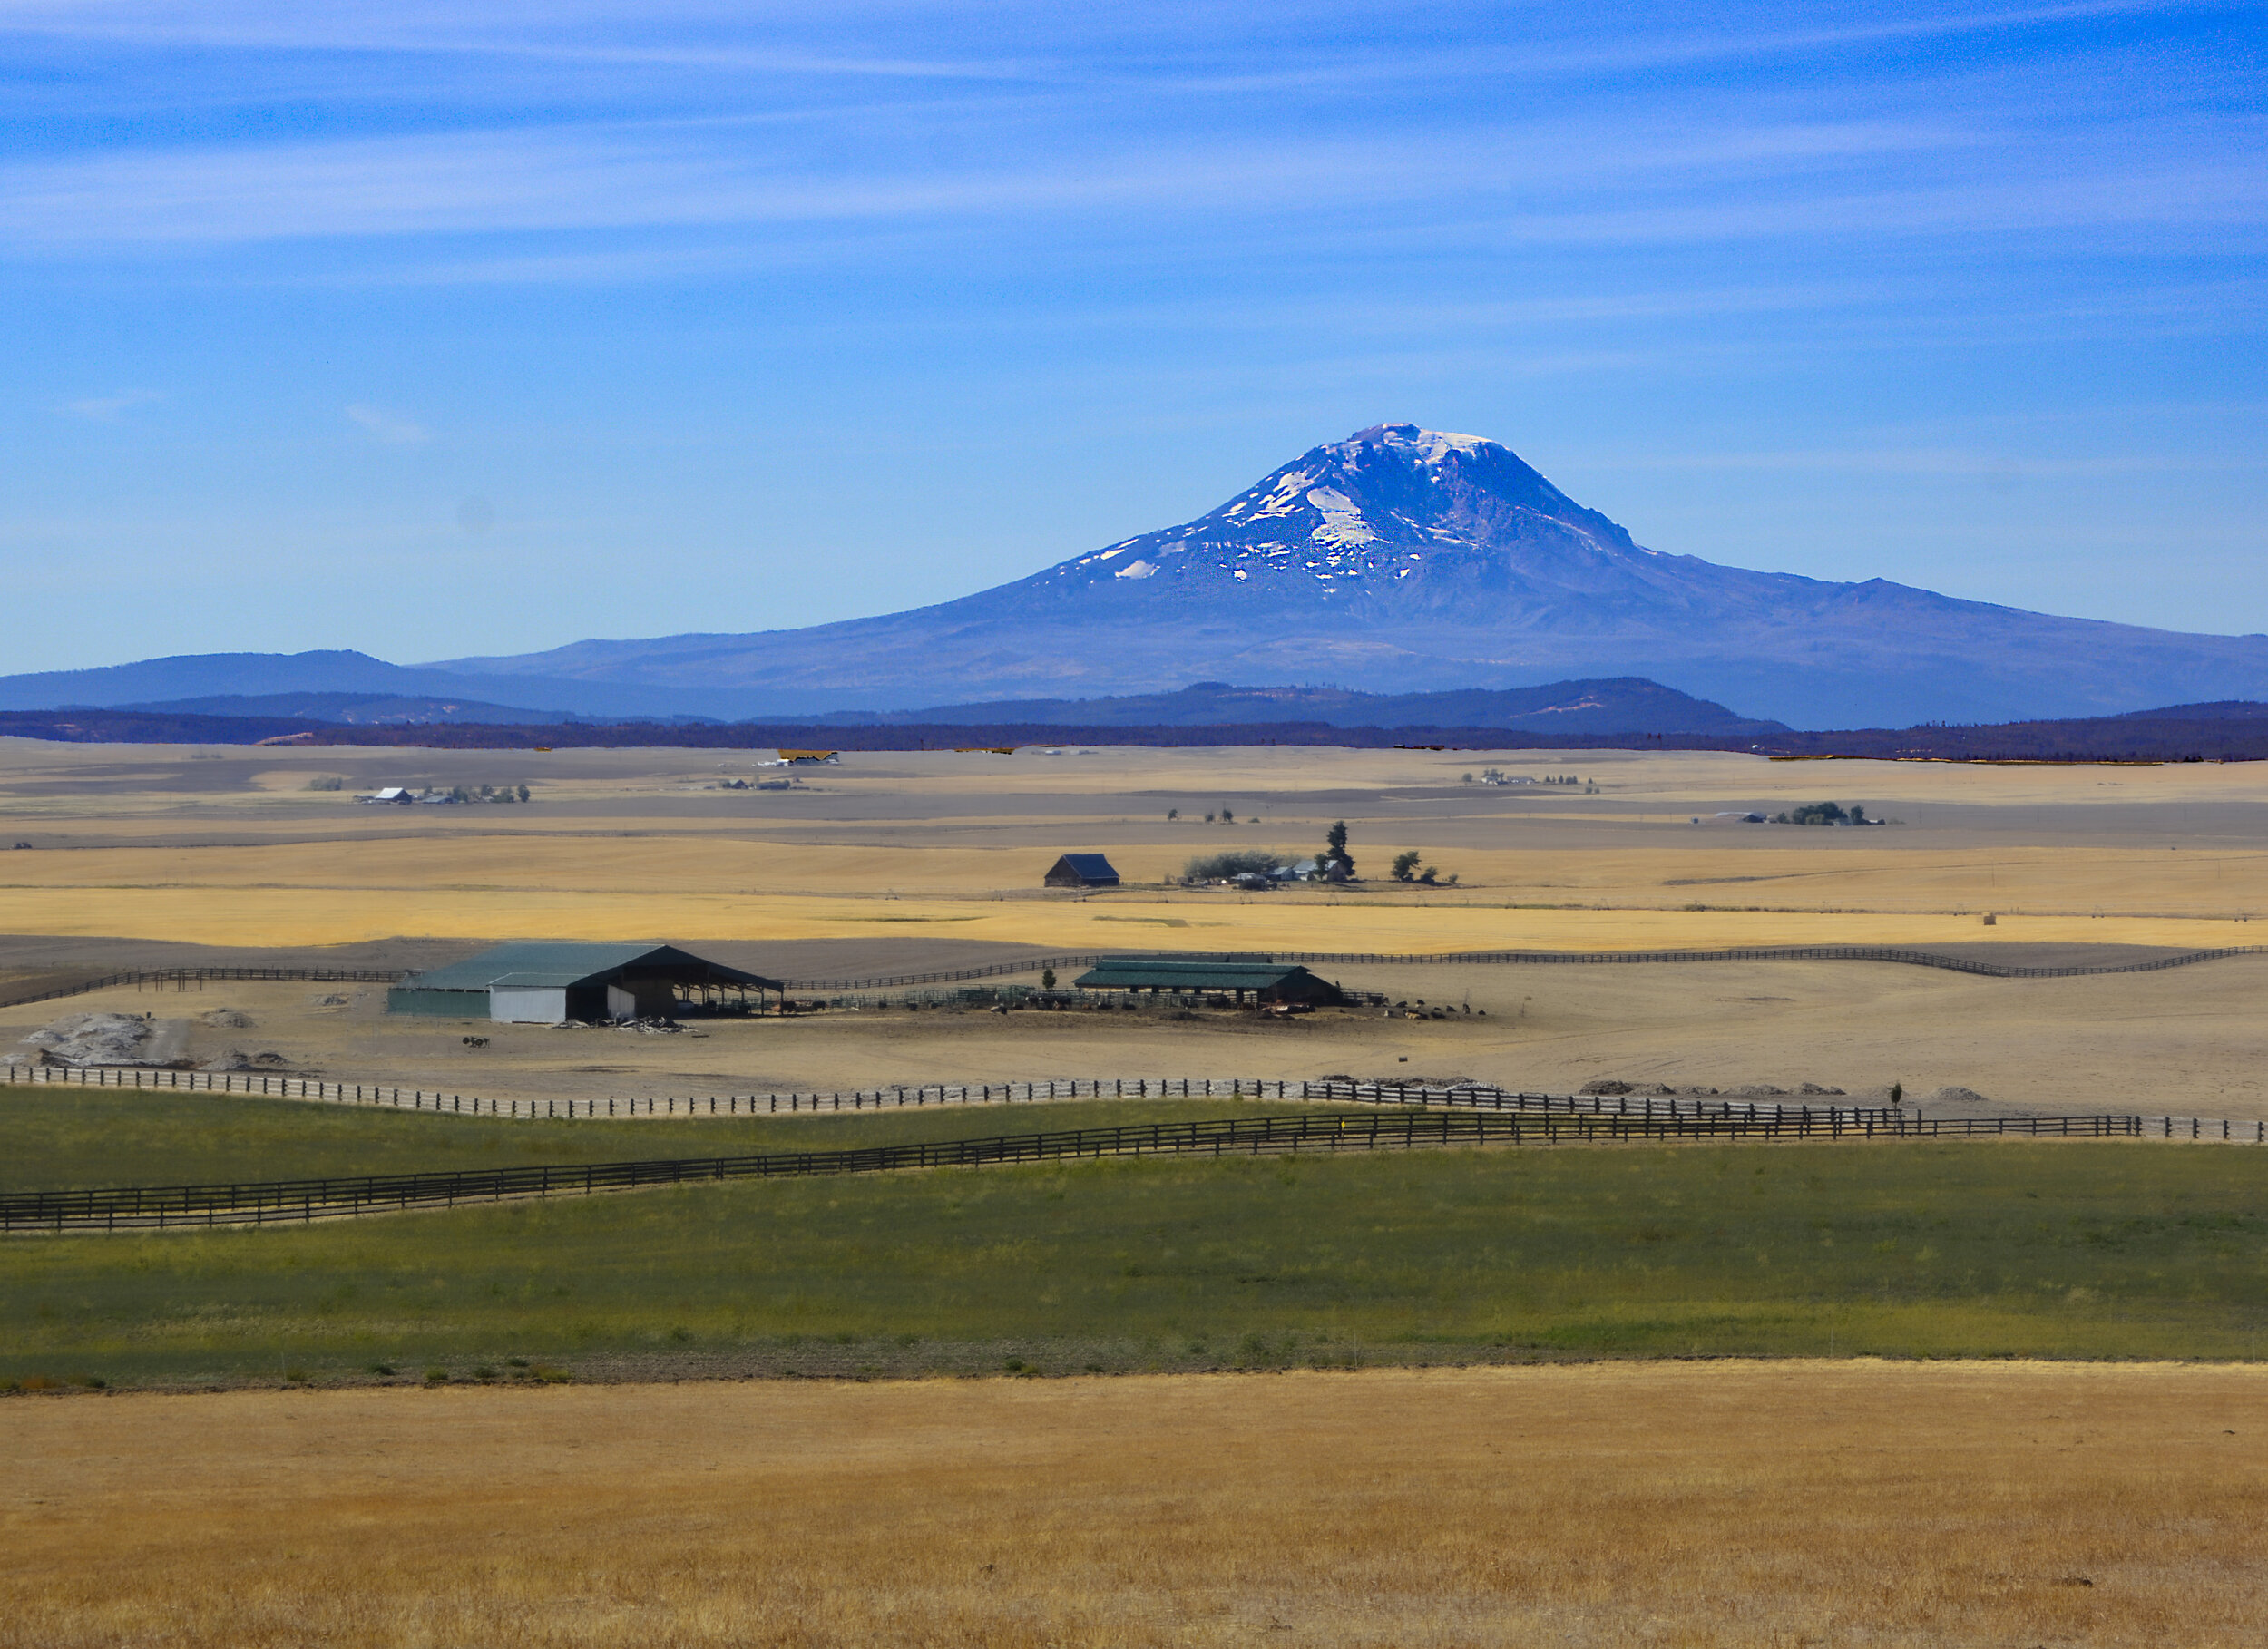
[
  {"x": 228, "y": 847},
  {"x": 1706, "y": 1504}
]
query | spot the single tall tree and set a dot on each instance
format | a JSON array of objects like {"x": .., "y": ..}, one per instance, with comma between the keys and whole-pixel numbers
[{"x": 1334, "y": 848}]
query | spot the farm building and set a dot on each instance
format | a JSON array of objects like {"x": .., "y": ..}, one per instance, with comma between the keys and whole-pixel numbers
[
  {"x": 1082, "y": 870},
  {"x": 548, "y": 981},
  {"x": 1266, "y": 982}
]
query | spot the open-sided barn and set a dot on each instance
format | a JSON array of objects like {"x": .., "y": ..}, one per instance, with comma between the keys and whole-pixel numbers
[
  {"x": 547, "y": 981},
  {"x": 1263, "y": 980}
]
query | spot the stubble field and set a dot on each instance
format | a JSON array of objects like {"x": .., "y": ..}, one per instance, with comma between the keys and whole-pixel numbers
[{"x": 1700, "y": 1505}]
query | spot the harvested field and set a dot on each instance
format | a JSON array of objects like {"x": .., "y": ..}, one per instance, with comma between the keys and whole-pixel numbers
[
  {"x": 160, "y": 843},
  {"x": 1729, "y": 1503}
]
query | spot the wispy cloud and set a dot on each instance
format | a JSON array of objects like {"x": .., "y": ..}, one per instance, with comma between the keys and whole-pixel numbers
[
  {"x": 1559, "y": 182},
  {"x": 391, "y": 428},
  {"x": 110, "y": 409}
]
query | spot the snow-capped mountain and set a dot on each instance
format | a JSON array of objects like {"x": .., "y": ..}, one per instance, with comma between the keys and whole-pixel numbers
[
  {"x": 1405, "y": 560},
  {"x": 1399, "y": 562}
]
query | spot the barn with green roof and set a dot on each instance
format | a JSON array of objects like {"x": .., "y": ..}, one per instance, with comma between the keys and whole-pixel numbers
[{"x": 550, "y": 981}]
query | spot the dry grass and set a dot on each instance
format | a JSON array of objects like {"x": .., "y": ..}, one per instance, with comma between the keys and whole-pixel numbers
[
  {"x": 626, "y": 844},
  {"x": 98, "y": 895},
  {"x": 2189, "y": 1040},
  {"x": 1687, "y": 1505}
]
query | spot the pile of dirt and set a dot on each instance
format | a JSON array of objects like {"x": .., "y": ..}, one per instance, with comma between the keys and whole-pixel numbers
[
  {"x": 236, "y": 1058},
  {"x": 96, "y": 1039},
  {"x": 228, "y": 1019},
  {"x": 1954, "y": 1096}
]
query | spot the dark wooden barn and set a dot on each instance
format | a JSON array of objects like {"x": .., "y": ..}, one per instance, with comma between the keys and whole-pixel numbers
[{"x": 1082, "y": 870}]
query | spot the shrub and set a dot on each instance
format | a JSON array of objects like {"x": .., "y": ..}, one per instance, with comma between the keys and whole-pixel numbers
[
  {"x": 327, "y": 781},
  {"x": 1235, "y": 861}
]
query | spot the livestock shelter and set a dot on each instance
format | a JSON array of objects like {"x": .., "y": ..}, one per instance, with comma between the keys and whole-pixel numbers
[
  {"x": 1082, "y": 870},
  {"x": 1264, "y": 982},
  {"x": 547, "y": 982}
]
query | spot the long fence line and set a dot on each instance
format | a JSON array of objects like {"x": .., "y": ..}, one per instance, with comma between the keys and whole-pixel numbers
[
  {"x": 184, "y": 978},
  {"x": 1642, "y": 1109},
  {"x": 1474, "y": 1096},
  {"x": 1889, "y": 953},
  {"x": 302, "y": 1201}
]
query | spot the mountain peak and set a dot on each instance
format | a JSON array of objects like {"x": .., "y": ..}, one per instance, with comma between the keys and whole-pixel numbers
[
  {"x": 1432, "y": 446},
  {"x": 1388, "y": 512}
]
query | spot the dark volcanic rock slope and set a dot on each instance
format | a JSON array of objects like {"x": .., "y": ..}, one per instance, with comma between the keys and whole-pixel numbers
[{"x": 1405, "y": 560}]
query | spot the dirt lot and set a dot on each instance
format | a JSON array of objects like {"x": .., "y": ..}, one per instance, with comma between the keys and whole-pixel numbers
[
  {"x": 2189, "y": 1042},
  {"x": 1696, "y": 1503}
]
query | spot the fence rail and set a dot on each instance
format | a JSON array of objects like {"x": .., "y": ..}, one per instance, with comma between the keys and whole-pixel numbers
[
  {"x": 302, "y": 1201},
  {"x": 1889, "y": 953},
  {"x": 1633, "y": 1107},
  {"x": 182, "y": 979}
]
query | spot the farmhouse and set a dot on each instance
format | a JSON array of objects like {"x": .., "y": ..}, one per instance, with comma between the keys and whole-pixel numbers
[
  {"x": 548, "y": 981},
  {"x": 1266, "y": 982},
  {"x": 1082, "y": 870}
]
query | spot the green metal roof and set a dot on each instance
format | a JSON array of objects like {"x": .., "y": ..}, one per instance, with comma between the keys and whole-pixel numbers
[
  {"x": 1181, "y": 974},
  {"x": 552, "y": 964}
]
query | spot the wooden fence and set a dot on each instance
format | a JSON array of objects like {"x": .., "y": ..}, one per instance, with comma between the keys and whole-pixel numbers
[
  {"x": 182, "y": 979},
  {"x": 188, "y": 979},
  {"x": 1887, "y": 954},
  {"x": 301, "y": 1201},
  {"x": 1634, "y": 1108}
]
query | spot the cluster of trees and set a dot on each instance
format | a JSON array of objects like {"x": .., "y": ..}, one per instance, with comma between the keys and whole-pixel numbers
[
  {"x": 1335, "y": 864},
  {"x": 1824, "y": 812},
  {"x": 1234, "y": 862},
  {"x": 1497, "y": 775},
  {"x": 1406, "y": 868},
  {"x": 486, "y": 793}
]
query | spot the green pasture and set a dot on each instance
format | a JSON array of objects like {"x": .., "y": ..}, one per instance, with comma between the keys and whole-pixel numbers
[
  {"x": 1928, "y": 1249},
  {"x": 54, "y": 1138}
]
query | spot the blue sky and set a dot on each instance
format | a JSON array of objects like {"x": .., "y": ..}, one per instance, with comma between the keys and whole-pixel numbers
[{"x": 445, "y": 329}]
